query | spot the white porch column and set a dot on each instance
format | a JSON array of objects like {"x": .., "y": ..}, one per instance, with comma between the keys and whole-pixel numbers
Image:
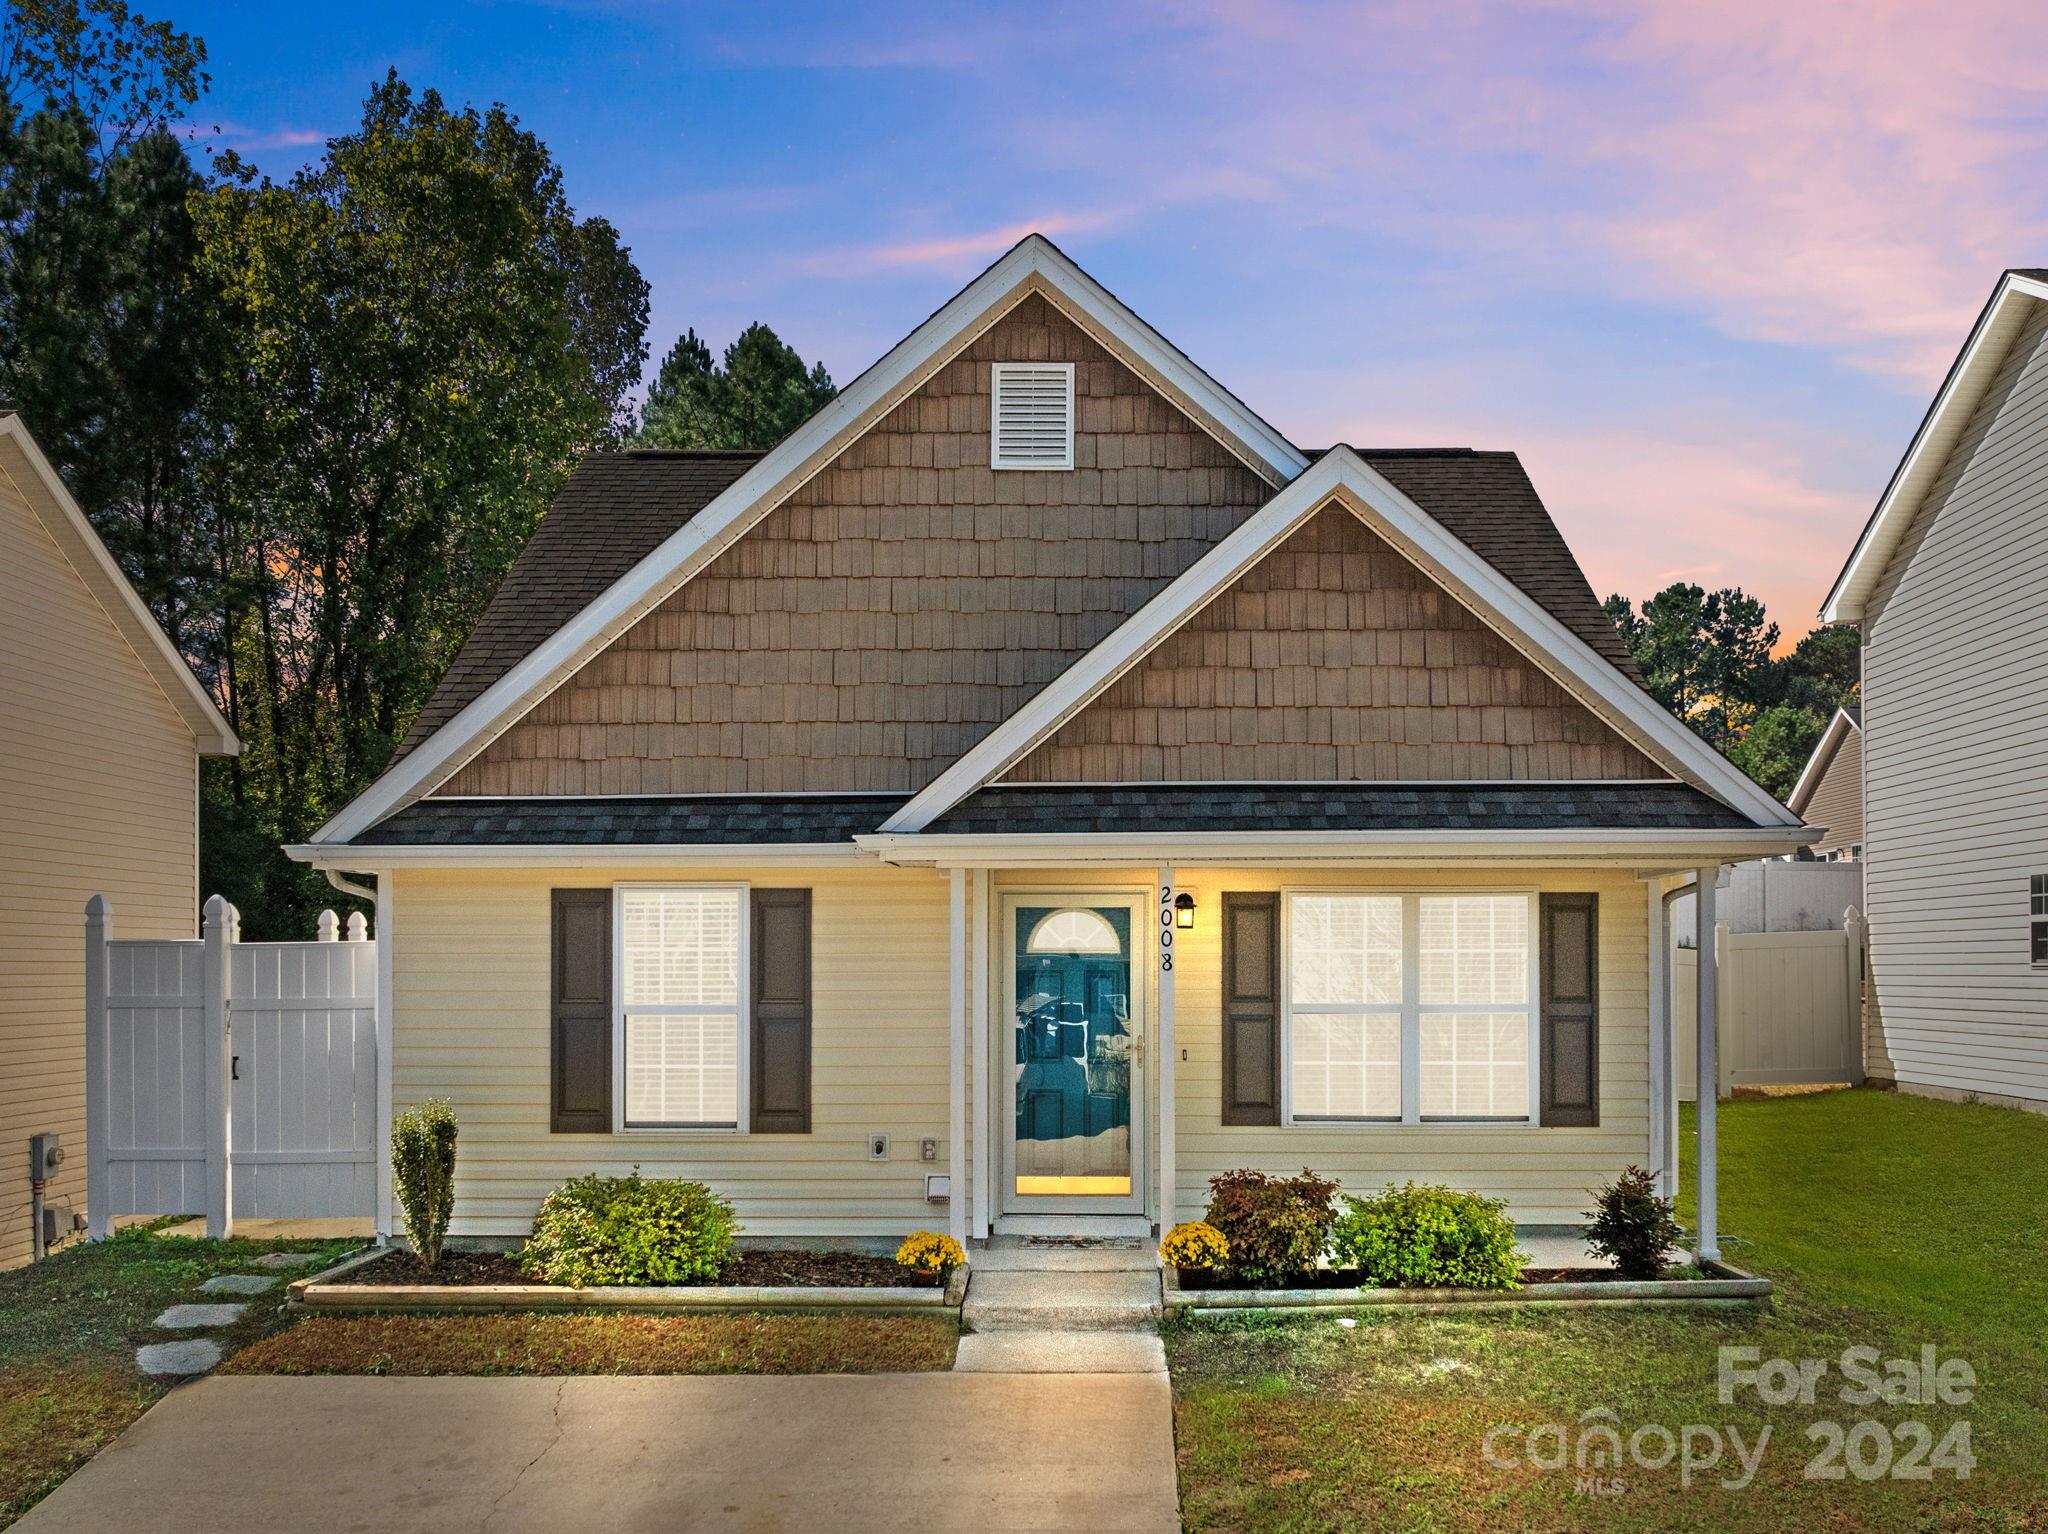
[
  {"x": 1708, "y": 1248},
  {"x": 387, "y": 958},
  {"x": 956, "y": 1134},
  {"x": 216, "y": 1056},
  {"x": 1661, "y": 1056},
  {"x": 1169, "y": 1051},
  {"x": 99, "y": 1197},
  {"x": 983, "y": 1211}
]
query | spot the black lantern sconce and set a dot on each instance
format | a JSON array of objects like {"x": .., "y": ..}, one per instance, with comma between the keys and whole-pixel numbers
[{"x": 1184, "y": 911}]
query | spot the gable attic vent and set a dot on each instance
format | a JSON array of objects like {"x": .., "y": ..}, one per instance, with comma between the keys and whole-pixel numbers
[{"x": 1032, "y": 421}]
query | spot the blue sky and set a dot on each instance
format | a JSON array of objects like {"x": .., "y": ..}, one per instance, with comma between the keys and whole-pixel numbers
[{"x": 1702, "y": 264}]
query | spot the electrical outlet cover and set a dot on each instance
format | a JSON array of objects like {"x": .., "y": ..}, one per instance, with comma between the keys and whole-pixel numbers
[
  {"x": 878, "y": 1147},
  {"x": 928, "y": 1148}
]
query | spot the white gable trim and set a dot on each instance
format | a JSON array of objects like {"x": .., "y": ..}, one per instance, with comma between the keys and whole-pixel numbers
[
  {"x": 1817, "y": 764},
  {"x": 1034, "y": 264},
  {"x": 1341, "y": 477},
  {"x": 80, "y": 545},
  {"x": 2011, "y": 307}
]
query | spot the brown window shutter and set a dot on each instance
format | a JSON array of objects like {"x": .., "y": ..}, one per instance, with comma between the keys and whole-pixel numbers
[
  {"x": 580, "y": 987},
  {"x": 1570, "y": 926},
  {"x": 1251, "y": 1008},
  {"x": 780, "y": 1064}
]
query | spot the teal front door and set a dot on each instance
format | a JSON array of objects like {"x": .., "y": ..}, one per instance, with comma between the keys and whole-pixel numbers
[{"x": 1074, "y": 992}]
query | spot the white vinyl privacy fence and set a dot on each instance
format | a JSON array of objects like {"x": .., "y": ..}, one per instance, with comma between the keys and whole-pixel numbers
[
  {"x": 1790, "y": 1008},
  {"x": 237, "y": 1080}
]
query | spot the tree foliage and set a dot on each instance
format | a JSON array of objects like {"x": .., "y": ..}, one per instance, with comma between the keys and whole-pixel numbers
[
  {"x": 759, "y": 395},
  {"x": 1706, "y": 656}
]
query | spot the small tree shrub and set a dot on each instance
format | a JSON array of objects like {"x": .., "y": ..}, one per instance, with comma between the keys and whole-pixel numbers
[
  {"x": 1631, "y": 1226},
  {"x": 929, "y": 1254},
  {"x": 630, "y": 1230},
  {"x": 1428, "y": 1237},
  {"x": 423, "y": 1174},
  {"x": 1274, "y": 1228}
]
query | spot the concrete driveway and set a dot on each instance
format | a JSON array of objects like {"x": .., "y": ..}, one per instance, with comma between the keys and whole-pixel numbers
[{"x": 335, "y": 1455}]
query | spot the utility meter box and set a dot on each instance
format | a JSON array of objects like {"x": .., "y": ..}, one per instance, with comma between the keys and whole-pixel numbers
[{"x": 45, "y": 1155}]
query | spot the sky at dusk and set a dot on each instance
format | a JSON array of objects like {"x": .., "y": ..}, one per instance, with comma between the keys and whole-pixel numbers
[{"x": 1701, "y": 264}]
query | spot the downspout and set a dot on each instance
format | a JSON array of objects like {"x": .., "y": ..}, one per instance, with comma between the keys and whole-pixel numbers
[{"x": 348, "y": 886}]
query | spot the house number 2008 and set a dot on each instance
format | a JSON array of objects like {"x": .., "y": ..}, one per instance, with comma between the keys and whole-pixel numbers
[{"x": 1165, "y": 928}]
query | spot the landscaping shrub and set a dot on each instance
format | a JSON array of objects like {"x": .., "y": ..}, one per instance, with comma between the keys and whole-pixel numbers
[
  {"x": 929, "y": 1254},
  {"x": 630, "y": 1230},
  {"x": 423, "y": 1174},
  {"x": 1274, "y": 1227},
  {"x": 1428, "y": 1237},
  {"x": 1194, "y": 1244},
  {"x": 1631, "y": 1226}
]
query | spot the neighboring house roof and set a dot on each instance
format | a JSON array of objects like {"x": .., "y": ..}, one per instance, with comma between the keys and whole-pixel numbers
[
  {"x": 1341, "y": 477},
  {"x": 23, "y": 462},
  {"x": 1844, "y": 720},
  {"x": 2020, "y": 291},
  {"x": 1204, "y": 807},
  {"x": 707, "y": 819},
  {"x": 1033, "y": 265}
]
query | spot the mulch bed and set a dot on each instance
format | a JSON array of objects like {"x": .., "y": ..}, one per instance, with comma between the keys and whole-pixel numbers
[
  {"x": 762, "y": 1267},
  {"x": 1337, "y": 1278}
]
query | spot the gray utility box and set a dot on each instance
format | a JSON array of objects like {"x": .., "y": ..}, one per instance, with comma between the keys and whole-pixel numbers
[{"x": 45, "y": 1155}]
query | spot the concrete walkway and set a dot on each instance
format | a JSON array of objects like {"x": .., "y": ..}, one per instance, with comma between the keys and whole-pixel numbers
[{"x": 334, "y": 1455}]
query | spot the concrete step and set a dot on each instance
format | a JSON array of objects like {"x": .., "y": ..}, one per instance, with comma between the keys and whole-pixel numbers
[
  {"x": 1033, "y": 1301},
  {"x": 1060, "y": 1353},
  {"x": 1031, "y": 1257}
]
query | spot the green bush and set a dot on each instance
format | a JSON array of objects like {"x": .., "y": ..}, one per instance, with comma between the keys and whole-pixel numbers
[
  {"x": 423, "y": 1174},
  {"x": 1276, "y": 1227},
  {"x": 1631, "y": 1226},
  {"x": 630, "y": 1230},
  {"x": 1428, "y": 1237}
]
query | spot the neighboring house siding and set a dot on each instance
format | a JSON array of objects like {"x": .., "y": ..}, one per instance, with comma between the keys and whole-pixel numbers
[
  {"x": 1956, "y": 758},
  {"x": 901, "y": 604},
  {"x": 1837, "y": 799},
  {"x": 471, "y": 1023},
  {"x": 99, "y": 775},
  {"x": 1333, "y": 659}
]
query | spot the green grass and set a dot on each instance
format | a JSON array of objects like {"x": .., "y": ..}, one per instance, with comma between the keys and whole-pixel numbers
[
  {"x": 69, "y": 1328},
  {"x": 1886, "y": 1220}
]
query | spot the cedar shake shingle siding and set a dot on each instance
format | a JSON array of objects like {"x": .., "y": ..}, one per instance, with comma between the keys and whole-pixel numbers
[
  {"x": 1334, "y": 659},
  {"x": 899, "y": 605}
]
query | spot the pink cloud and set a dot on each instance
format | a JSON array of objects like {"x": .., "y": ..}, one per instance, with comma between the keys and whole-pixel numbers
[{"x": 976, "y": 248}]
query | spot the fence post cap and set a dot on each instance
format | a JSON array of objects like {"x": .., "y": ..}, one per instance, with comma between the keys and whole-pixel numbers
[
  {"x": 358, "y": 928},
  {"x": 328, "y": 927},
  {"x": 97, "y": 908}
]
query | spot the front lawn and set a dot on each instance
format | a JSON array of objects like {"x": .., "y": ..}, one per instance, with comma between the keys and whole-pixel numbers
[
  {"x": 1887, "y": 1221},
  {"x": 69, "y": 1328}
]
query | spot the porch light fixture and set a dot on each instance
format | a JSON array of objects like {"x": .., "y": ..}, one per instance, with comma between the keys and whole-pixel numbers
[{"x": 1184, "y": 911}]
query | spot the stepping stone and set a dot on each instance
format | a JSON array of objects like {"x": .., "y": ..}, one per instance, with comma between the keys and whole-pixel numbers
[
  {"x": 1060, "y": 1353},
  {"x": 239, "y": 1283},
  {"x": 181, "y": 1316},
  {"x": 195, "y": 1355},
  {"x": 286, "y": 1259}
]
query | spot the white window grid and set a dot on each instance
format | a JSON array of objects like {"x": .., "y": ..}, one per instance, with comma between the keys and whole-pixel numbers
[
  {"x": 1411, "y": 1008},
  {"x": 715, "y": 995}
]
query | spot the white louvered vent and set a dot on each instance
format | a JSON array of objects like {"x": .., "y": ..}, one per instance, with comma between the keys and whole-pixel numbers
[{"x": 1032, "y": 423}]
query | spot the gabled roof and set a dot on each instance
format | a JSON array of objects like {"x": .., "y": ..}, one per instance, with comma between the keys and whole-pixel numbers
[
  {"x": 23, "y": 462},
  {"x": 1845, "y": 720},
  {"x": 2020, "y": 291},
  {"x": 1034, "y": 264},
  {"x": 1342, "y": 477}
]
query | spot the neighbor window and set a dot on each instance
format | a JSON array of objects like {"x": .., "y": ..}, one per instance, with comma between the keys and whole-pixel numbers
[
  {"x": 1409, "y": 1007},
  {"x": 2038, "y": 910},
  {"x": 681, "y": 952}
]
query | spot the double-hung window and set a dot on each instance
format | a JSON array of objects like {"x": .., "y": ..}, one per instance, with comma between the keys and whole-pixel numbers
[
  {"x": 682, "y": 1010},
  {"x": 2037, "y": 908},
  {"x": 1410, "y": 1007}
]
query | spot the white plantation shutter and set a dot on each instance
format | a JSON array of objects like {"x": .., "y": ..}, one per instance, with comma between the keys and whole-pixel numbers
[
  {"x": 1032, "y": 418},
  {"x": 679, "y": 984}
]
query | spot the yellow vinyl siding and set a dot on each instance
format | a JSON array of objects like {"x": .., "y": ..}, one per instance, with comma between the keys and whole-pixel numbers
[
  {"x": 100, "y": 775},
  {"x": 471, "y": 1023}
]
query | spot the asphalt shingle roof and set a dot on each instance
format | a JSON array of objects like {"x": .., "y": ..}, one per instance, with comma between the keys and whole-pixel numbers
[
  {"x": 710, "y": 820},
  {"x": 1181, "y": 808}
]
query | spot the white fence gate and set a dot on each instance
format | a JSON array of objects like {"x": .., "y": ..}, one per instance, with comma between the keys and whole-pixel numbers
[
  {"x": 1790, "y": 1008},
  {"x": 234, "y": 1079}
]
